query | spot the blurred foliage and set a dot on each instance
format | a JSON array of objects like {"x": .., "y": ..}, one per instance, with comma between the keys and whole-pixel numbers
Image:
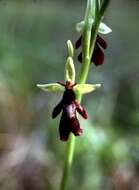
[{"x": 33, "y": 37}]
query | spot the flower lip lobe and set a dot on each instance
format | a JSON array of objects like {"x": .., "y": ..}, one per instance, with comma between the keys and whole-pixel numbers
[
  {"x": 81, "y": 110},
  {"x": 69, "y": 122}
]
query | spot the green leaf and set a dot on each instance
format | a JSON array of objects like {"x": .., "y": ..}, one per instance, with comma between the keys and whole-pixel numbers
[
  {"x": 104, "y": 29},
  {"x": 52, "y": 87},
  {"x": 70, "y": 48},
  {"x": 86, "y": 88},
  {"x": 70, "y": 70}
]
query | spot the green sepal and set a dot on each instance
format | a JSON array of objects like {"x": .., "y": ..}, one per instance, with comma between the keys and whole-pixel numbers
[
  {"x": 86, "y": 88},
  {"x": 103, "y": 28},
  {"x": 70, "y": 49},
  {"x": 52, "y": 87},
  {"x": 70, "y": 70}
]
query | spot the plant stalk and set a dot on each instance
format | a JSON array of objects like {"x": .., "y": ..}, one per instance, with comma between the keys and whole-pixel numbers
[{"x": 88, "y": 43}]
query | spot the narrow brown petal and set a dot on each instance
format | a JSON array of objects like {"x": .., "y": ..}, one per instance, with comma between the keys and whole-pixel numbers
[
  {"x": 57, "y": 110},
  {"x": 101, "y": 42},
  {"x": 78, "y": 42},
  {"x": 75, "y": 126}
]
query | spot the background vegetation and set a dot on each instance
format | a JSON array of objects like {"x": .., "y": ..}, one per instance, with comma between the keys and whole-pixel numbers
[{"x": 33, "y": 37}]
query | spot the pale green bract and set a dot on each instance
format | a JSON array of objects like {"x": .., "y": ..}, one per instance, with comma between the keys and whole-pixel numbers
[
  {"x": 70, "y": 70},
  {"x": 103, "y": 28},
  {"x": 52, "y": 87},
  {"x": 86, "y": 88}
]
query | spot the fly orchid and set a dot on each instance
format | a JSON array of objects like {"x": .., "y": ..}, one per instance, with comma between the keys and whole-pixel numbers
[{"x": 68, "y": 105}]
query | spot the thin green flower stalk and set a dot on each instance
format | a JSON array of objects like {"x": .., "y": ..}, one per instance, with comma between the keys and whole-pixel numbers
[{"x": 90, "y": 30}]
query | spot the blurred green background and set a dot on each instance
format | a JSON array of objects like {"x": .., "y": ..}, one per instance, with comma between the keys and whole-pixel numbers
[{"x": 33, "y": 37}]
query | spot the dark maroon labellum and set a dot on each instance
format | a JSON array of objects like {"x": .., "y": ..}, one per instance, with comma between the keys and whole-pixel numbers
[
  {"x": 68, "y": 105},
  {"x": 98, "y": 55}
]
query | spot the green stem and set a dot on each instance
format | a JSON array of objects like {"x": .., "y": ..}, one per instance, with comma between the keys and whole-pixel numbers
[
  {"x": 68, "y": 161},
  {"x": 88, "y": 44},
  {"x": 104, "y": 6}
]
